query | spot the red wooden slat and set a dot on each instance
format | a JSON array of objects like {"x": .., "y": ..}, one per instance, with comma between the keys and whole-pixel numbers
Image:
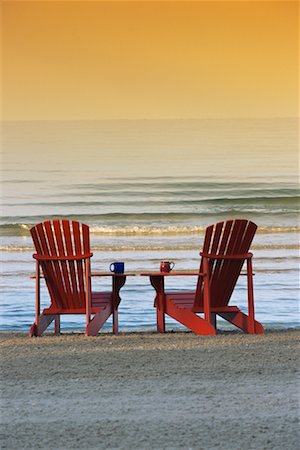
[
  {"x": 56, "y": 264},
  {"x": 237, "y": 236},
  {"x": 42, "y": 238},
  {"x": 233, "y": 268},
  {"x": 86, "y": 238},
  {"x": 206, "y": 244},
  {"x": 230, "y": 269},
  {"x": 249, "y": 235},
  {"x": 214, "y": 249},
  {"x": 63, "y": 258},
  {"x": 79, "y": 264},
  {"x": 216, "y": 285},
  {"x": 86, "y": 245},
  {"x": 47, "y": 266},
  {"x": 71, "y": 265},
  {"x": 216, "y": 237},
  {"x": 64, "y": 267},
  {"x": 35, "y": 239},
  {"x": 246, "y": 236},
  {"x": 239, "y": 242},
  {"x": 207, "y": 238},
  {"x": 219, "y": 285}
]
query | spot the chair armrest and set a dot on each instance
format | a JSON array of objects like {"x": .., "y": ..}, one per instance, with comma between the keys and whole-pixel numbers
[
  {"x": 118, "y": 281},
  {"x": 62, "y": 258},
  {"x": 112, "y": 274},
  {"x": 172, "y": 274}
]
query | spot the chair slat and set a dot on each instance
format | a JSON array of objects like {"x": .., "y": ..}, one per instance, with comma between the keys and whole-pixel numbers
[
  {"x": 227, "y": 274},
  {"x": 35, "y": 239},
  {"x": 246, "y": 233},
  {"x": 231, "y": 269},
  {"x": 216, "y": 278},
  {"x": 47, "y": 266},
  {"x": 79, "y": 264},
  {"x": 64, "y": 266},
  {"x": 206, "y": 245},
  {"x": 71, "y": 265},
  {"x": 214, "y": 249},
  {"x": 86, "y": 238},
  {"x": 56, "y": 264}
]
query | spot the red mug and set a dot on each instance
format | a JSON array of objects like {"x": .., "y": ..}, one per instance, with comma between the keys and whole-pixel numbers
[{"x": 166, "y": 266}]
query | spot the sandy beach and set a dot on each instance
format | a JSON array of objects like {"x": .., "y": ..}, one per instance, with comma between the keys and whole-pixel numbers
[{"x": 144, "y": 390}]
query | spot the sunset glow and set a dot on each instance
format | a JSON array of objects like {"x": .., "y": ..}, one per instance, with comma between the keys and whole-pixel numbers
[{"x": 135, "y": 60}]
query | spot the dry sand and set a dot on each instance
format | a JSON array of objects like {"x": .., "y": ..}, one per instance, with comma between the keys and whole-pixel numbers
[{"x": 150, "y": 391}]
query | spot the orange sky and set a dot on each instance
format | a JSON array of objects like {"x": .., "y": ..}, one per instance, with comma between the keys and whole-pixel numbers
[{"x": 124, "y": 60}]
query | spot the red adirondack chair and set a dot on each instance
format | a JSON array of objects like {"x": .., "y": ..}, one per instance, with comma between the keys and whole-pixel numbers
[
  {"x": 225, "y": 249},
  {"x": 63, "y": 253}
]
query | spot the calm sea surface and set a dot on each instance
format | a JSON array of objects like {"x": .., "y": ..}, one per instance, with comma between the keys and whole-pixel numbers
[{"x": 148, "y": 190}]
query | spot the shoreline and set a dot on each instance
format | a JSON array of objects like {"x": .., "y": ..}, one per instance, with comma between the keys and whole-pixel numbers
[
  {"x": 171, "y": 328},
  {"x": 142, "y": 390},
  {"x": 65, "y": 331}
]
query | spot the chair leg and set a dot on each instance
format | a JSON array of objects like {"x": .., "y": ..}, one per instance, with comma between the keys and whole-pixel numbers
[
  {"x": 242, "y": 321},
  {"x": 38, "y": 328},
  {"x": 33, "y": 330},
  {"x": 159, "y": 302},
  {"x": 190, "y": 319},
  {"x": 115, "y": 320},
  {"x": 57, "y": 325},
  {"x": 213, "y": 319},
  {"x": 98, "y": 321},
  {"x": 160, "y": 320},
  {"x": 250, "y": 297}
]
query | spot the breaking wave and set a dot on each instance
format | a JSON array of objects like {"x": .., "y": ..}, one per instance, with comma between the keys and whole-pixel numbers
[{"x": 22, "y": 229}]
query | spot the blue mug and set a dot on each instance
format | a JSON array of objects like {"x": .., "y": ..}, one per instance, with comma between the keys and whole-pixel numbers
[{"x": 117, "y": 267}]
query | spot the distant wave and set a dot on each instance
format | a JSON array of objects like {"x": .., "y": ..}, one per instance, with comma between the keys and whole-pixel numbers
[
  {"x": 145, "y": 230},
  {"x": 268, "y": 200},
  {"x": 152, "y": 247},
  {"x": 16, "y": 229},
  {"x": 22, "y": 229},
  {"x": 172, "y": 230}
]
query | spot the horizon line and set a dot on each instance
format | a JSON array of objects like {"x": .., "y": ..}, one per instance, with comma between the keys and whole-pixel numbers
[{"x": 151, "y": 119}]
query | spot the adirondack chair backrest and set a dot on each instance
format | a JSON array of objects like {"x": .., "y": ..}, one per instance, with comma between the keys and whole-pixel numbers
[
  {"x": 232, "y": 237},
  {"x": 65, "y": 279}
]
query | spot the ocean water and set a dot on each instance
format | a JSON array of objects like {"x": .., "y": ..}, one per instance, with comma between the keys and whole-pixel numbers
[{"x": 148, "y": 190}]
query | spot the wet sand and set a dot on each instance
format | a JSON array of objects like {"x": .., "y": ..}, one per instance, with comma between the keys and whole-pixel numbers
[{"x": 150, "y": 391}]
